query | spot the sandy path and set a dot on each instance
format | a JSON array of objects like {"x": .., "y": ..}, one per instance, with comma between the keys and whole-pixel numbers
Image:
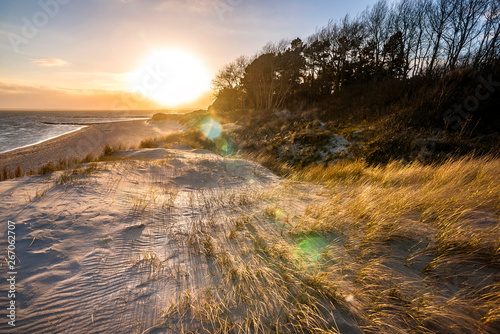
[{"x": 90, "y": 139}]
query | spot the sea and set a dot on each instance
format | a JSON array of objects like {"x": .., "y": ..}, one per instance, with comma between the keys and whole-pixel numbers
[{"x": 25, "y": 128}]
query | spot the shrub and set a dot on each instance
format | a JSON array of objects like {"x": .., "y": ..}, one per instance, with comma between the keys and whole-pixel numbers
[
  {"x": 18, "y": 172},
  {"x": 46, "y": 169},
  {"x": 149, "y": 143},
  {"x": 108, "y": 150}
]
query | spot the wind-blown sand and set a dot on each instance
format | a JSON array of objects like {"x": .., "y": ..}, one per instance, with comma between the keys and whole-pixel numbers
[
  {"x": 91, "y": 139},
  {"x": 106, "y": 248}
]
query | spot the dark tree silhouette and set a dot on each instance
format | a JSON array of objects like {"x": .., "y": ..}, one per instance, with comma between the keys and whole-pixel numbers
[{"x": 404, "y": 41}]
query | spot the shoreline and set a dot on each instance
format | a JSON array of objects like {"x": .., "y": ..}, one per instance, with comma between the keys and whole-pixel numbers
[
  {"x": 94, "y": 123},
  {"x": 49, "y": 139},
  {"x": 89, "y": 139}
]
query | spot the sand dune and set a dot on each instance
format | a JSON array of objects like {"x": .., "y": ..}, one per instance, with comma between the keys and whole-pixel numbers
[
  {"x": 105, "y": 247},
  {"x": 186, "y": 241}
]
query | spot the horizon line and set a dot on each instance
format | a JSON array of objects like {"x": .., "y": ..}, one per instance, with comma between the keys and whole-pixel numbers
[{"x": 62, "y": 109}]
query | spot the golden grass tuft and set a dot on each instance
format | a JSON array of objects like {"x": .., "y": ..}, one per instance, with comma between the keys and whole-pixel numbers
[{"x": 416, "y": 233}]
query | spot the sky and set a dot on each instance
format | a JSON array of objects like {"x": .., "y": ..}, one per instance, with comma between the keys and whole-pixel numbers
[{"x": 106, "y": 54}]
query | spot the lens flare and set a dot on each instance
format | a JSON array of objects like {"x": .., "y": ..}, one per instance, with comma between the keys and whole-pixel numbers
[
  {"x": 211, "y": 128},
  {"x": 225, "y": 146},
  {"x": 311, "y": 248}
]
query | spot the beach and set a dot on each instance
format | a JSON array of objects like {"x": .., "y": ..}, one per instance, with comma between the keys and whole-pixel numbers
[
  {"x": 90, "y": 139},
  {"x": 250, "y": 167},
  {"x": 108, "y": 247},
  {"x": 183, "y": 240}
]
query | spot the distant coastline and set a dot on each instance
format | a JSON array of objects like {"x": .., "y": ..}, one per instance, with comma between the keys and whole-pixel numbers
[
  {"x": 20, "y": 129},
  {"x": 89, "y": 139}
]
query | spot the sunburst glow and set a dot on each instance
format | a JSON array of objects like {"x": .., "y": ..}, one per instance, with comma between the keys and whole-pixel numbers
[{"x": 171, "y": 77}]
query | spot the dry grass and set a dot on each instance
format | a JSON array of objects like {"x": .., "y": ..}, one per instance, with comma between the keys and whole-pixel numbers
[
  {"x": 62, "y": 164},
  {"x": 394, "y": 249},
  {"x": 425, "y": 241},
  {"x": 342, "y": 249},
  {"x": 261, "y": 286}
]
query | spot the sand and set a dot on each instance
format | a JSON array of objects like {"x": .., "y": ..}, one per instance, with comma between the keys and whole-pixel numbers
[
  {"x": 149, "y": 241},
  {"x": 105, "y": 250},
  {"x": 180, "y": 240},
  {"x": 91, "y": 139}
]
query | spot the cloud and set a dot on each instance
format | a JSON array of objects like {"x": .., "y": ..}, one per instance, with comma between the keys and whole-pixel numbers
[
  {"x": 22, "y": 96},
  {"x": 49, "y": 62},
  {"x": 11, "y": 88}
]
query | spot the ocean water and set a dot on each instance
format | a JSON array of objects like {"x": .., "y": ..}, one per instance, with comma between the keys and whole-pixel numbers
[{"x": 25, "y": 128}]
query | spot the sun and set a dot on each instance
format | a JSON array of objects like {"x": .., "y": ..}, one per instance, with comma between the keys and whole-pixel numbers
[{"x": 171, "y": 78}]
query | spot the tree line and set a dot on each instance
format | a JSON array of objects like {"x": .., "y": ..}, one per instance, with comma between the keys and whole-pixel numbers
[{"x": 403, "y": 40}]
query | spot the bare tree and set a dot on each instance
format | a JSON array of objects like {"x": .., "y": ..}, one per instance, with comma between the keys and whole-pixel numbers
[
  {"x": 489, "y": 46},
  {"x": 464, "y": 29},
  {"x": 400, "y": 41},
  {"x": 422, "y": 46},
  {"x": 227, "y": 85},
  {"x": 440, "y": 13},
  {"x": 230, "y": 76},
  {"x": 275, "y": 48},
  {"x": 375, "y": 24},
  {"x": 409, "y": 17}
]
